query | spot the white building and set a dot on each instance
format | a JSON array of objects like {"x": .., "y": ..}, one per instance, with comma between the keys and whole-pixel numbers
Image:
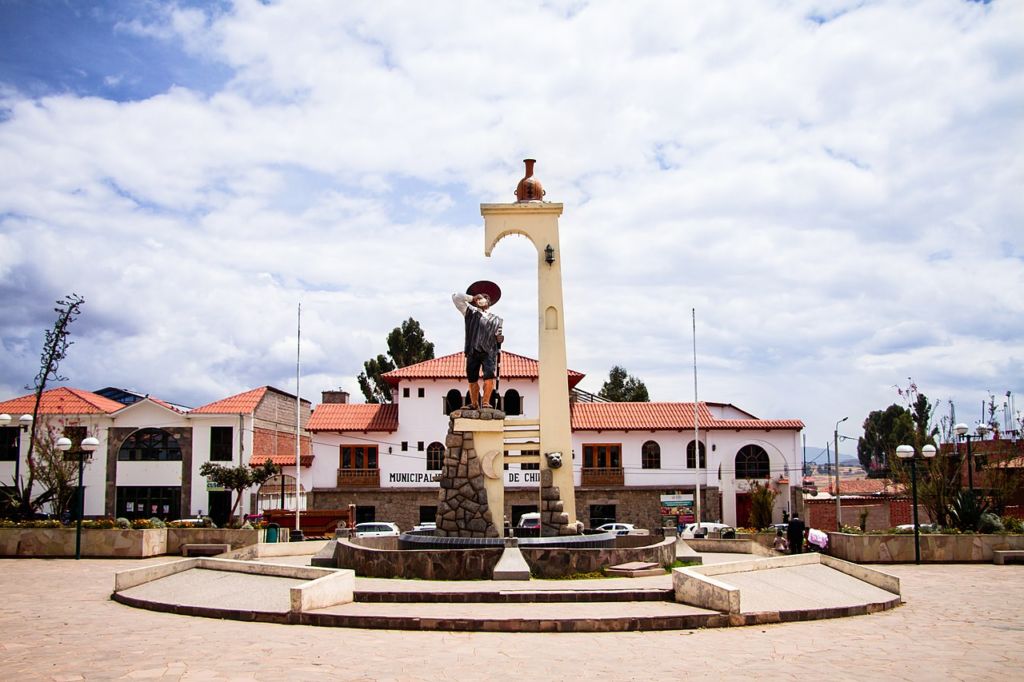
[
  {"x": 150, "y": 451},
  {"x": 632, "y": 462}
]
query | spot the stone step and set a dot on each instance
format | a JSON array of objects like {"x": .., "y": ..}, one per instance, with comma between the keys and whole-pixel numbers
[
  {"x": 519, "y": 617},
  {"x": 518, "y": 596}
]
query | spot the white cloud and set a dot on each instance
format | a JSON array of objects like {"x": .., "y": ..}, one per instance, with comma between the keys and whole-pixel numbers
[{"x": 834, "y": 188}]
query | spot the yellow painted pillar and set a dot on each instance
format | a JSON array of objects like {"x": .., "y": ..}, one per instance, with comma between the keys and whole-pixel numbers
[{"x": 538, "y": 221}]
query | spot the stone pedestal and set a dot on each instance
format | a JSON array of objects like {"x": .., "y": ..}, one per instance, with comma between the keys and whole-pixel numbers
[{"x": 471, "y": 478}]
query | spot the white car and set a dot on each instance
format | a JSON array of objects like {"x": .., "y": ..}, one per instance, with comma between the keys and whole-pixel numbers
[
  {"x": 426, "y": 525},
  {"x": 377, "y": 529},
  {"x": 530, "y": 520},
  {"x": 706, "y": 527},
  {"x": 617, "y": 528}
]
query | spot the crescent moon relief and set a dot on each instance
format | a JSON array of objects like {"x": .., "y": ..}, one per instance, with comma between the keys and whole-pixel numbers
[{"x": 487, "y": 464}]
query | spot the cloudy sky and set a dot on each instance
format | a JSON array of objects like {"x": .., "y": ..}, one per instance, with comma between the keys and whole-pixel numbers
[{"x": 834, "y": 187}]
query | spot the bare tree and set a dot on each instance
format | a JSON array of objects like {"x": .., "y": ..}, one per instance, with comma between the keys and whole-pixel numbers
[{"x": 55, "y": 349}]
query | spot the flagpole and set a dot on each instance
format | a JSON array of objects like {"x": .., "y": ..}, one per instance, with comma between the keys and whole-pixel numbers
[
  {"x": 696, "y": 427},
  {"x": 298, "y": 428}
]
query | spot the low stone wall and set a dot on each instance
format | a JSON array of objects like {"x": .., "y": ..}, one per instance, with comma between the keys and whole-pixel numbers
[
  {"x": 96, "y": 543},
  {"x": 732, "y": 546},
  {"x": 935, "y": 548},
  {"x": 556, "y": 562},
  {"x": 478, "y": 564},
  {"x": 176, "y": 537},
  {"x": 463, "y": 564}
]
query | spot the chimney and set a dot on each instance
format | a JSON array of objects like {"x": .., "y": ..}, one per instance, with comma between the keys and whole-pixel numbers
[{"x": 334, "y": 397}]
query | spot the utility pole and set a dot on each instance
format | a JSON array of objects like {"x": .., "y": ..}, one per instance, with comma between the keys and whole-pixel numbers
[{"x": 839, "y": 507}]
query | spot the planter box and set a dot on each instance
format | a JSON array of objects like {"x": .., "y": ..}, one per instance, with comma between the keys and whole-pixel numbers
[
  {"x": 935, "y": 548},
  {"x": 176, "y": 537},
  {"x": 60, "y": 542}
]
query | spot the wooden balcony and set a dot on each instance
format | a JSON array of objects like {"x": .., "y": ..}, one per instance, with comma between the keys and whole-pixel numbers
[
  {"x": 366, "y": 478},
  {"x": 603, "y": 476}
]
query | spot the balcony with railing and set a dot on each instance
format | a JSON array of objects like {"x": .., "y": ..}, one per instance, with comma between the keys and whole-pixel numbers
[
  {"x": 366, "y": 478},
  {"x": 600, "y": 476}
]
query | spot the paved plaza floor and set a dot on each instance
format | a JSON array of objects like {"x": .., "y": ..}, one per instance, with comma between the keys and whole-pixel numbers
[{"x": 961, "y": 622}]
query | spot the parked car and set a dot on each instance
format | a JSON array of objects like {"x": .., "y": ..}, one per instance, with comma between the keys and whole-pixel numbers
[
  {"x": 617, "y": 528},
  {"x": 377, "y": 529},
  {"x": 529, "y": 520},
  {"x": 426, "y": 525},
  {"x": 925, "y": 528},
  {"x": 689, "y": 530}
]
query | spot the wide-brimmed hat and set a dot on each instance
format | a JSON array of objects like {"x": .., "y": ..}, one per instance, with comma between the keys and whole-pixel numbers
[{"x": 492, "y": 290}]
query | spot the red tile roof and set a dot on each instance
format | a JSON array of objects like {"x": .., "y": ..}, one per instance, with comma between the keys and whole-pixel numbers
[
  {"x": 660, "y": 416},
  {"x": 161, "y": 403},
  {"x": 353, "y": 417},
  {"x": 61, "y": 400},
  {"x": 280, "y": 460},
  {"x": 867, "y": 486},
  {"x": 243, "y": 403},
  {"x": 454, "y": 367}
]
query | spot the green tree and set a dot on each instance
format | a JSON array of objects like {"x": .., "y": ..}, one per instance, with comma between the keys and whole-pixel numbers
[
  {"x": 238, "y": 478},
  {"x": 40, "y": 453},
  {"x": 622, "y": 387},
  {"x": 407, "y": 345},
  {"x": 884, "y": 431}
]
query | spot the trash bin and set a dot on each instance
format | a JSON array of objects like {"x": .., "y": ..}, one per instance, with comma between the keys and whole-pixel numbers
[{"x": 272, "y": 529}]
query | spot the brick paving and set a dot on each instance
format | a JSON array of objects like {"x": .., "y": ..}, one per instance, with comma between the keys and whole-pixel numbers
[{"x": 961, "y": 622}]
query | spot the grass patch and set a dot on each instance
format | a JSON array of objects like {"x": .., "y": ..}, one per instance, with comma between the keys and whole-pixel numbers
[
  {"x": 679, "y": 563},
  {"x": 593, "y": 575}
]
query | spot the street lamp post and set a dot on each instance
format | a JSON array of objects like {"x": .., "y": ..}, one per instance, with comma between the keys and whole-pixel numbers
[
  {"x": 839, "y": 506},
  {"x": 25, "y": 422},
  {"x": 961, "y": 431},
  {"x": 907, "y": 452},
  {"x": 87, "y": 445}
]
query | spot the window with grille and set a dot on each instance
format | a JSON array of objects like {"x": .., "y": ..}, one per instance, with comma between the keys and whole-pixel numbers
[
  {"x": 691, "y": 457},
  {"x": 752, "y": 462},
  {"x": 148, "y": 445},
  {"x": 435, "y": 456}
]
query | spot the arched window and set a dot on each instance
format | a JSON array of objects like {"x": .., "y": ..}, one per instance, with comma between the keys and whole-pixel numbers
[
  {"x": 691, "y": 458},
  {"x": 513, "y": 403},
  {"x": 650, "y": 455},
  {"x": 452, "y": 401},
  {"x": 435, "y": 456},
  {"x": 150, "y": 445},
  {"x": 752, "y": 462}
]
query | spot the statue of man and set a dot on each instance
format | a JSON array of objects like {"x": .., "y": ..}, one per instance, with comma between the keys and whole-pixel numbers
[{"x": 483, "y": 338}]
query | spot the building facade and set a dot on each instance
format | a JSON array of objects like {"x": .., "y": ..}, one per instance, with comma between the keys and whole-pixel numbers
[
  {"x": 150, "y": 452},
  {"x": 632, "y": 462}
]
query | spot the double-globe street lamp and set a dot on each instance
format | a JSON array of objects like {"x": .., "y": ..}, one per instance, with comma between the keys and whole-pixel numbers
[
  {"x": 961, "y": 431},
  {"x": 87, "y": 445},
  {"x": 25, "y": 422},
  {"x": 907, "y": 452}
]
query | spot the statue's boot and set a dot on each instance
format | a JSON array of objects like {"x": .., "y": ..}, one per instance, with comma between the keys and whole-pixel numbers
[
  {"x": 474, "y": 395},
  {"x": 488, "y": 391}
]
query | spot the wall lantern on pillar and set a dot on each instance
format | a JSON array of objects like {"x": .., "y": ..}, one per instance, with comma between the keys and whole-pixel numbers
[{"x": 549, "y": 255}]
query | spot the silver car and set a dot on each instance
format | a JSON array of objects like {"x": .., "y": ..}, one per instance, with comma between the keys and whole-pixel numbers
[{"x": 377, "y": 529}]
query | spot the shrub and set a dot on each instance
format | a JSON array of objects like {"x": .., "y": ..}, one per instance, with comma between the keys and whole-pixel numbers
[
  {"x": 157, "y": 523},
  {"x": 762, "y": 504},
  {"x": 122, "y": 522},
  {"x": 966, "y": 510},
  {"x": 1012, "y": 524}
]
